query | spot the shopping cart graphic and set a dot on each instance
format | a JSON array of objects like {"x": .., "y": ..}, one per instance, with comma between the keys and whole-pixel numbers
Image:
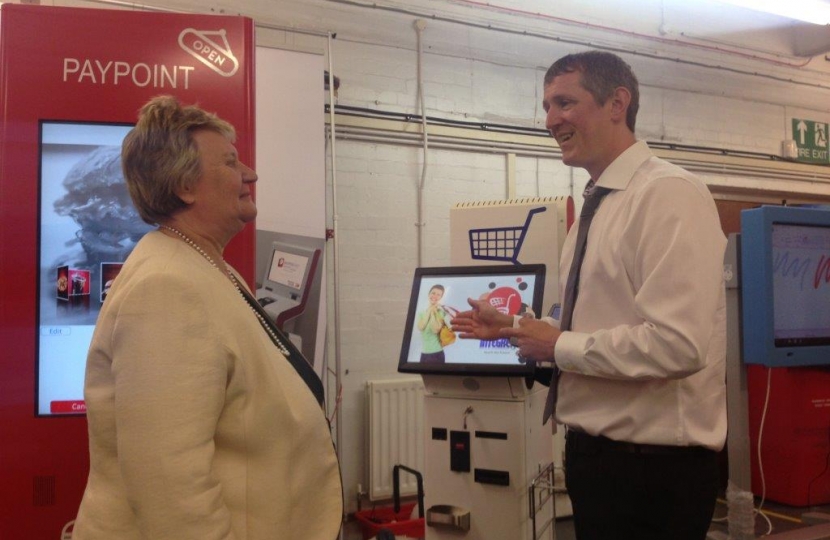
[
  {"x": 500, "y": 243},
  {"x": 502, "y": 305}
]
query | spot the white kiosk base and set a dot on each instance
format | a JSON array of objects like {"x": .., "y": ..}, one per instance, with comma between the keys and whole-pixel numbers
[{"x": 488, "y": 459}]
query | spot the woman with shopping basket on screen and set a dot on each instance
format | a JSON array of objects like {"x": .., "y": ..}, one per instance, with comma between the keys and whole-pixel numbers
[{"x": 435, "y": 331}]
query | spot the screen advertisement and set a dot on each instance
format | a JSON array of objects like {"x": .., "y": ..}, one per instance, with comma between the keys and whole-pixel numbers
[
  {"x": 785, "y": 285},
  {"x": 88, "y": 227},
  {"x": 801, "y": 284},
  {"x": 288, "y": 269},
  {"x": 431, "y": 346}
]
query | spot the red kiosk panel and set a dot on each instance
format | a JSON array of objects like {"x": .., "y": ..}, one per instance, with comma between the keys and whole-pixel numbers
[
  {"x": 71, "y": 82},
  {"x": 795, "y": 443}
]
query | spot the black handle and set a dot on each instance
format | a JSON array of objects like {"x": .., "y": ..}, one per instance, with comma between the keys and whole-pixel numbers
[{"x": 396, "y": 488}]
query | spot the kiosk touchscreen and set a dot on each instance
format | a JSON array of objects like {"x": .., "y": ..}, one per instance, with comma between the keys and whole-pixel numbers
[
  {"x": 431, "y": 347},
  {"x": 88, "y": 226},
  {"x": 287, "y": 280}
]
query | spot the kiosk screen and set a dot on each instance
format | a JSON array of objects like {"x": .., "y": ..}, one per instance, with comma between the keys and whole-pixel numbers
[
  {"x": 431, "y": 346},
  {"x": 87, "y": 227}
]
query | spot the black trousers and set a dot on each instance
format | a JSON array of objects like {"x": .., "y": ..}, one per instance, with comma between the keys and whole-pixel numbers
[{"x": 623, "y": 491}]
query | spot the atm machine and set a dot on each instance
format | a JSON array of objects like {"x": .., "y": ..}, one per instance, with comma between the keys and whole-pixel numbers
[{"x": 489, "y": 461}]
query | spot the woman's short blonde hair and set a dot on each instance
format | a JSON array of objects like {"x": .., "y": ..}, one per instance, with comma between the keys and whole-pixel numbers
[{"x": 160, "y": 157}]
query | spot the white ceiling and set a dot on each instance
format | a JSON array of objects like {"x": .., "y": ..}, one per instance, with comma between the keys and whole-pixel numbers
[
  {"x": 703, "y": 46},
  {"x": 644, "y": 24}
]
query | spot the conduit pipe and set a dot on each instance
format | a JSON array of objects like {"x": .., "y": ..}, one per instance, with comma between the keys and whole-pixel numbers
[
  {"x": 420, "y": 25},
  {"x": 704, "y": 162},
  {"x": 338, "y": 368},
  {"x": 725, "y": 173},
  {"x": 446, "y": 143}
]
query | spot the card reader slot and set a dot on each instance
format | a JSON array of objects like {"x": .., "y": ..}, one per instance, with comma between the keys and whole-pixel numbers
[
  {"x": 489, "y": 476},
  {"x": 491, "y": 435}
]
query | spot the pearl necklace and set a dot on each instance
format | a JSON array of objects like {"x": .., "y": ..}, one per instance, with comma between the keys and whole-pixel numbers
[
  {"x": 273, "y": 335},
  {"x": 192, "y": 244}
]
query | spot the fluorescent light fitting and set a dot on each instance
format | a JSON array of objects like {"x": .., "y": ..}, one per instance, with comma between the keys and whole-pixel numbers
[{"x": 811, "y": 11}]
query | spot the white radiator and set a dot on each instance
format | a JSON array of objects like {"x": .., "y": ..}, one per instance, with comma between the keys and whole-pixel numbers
[{"x": 395, "y": 434}]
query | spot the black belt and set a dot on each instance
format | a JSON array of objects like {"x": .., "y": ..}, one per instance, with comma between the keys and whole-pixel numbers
[{"x": 580, "y": 441}]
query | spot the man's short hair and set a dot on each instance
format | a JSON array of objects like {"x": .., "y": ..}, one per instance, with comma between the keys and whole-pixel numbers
[{"x": 602, "y": 73}]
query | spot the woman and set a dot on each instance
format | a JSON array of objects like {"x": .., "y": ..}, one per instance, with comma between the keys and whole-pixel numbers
[
  {"x": 430, "y": 321},
  {"x": 200, "y": 426}
]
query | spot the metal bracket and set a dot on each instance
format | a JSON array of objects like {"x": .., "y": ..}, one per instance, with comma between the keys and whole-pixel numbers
[{"x": 542, "y": 490}]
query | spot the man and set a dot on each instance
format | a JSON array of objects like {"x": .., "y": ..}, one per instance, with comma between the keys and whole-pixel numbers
[{"x": 641, "y": 385}]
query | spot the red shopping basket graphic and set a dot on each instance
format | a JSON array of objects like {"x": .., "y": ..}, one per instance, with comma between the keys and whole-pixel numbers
[{"x": 395, "y": 519}]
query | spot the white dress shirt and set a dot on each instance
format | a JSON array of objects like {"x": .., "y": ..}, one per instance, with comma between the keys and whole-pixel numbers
[{"x": 645, "y": 361}]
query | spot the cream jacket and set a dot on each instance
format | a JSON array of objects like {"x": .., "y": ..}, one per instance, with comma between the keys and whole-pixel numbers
[{"x": 198, "y": 427}]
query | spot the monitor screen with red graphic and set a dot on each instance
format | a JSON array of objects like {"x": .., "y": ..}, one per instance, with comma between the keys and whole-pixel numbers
[{"x": 430, "y": 345}]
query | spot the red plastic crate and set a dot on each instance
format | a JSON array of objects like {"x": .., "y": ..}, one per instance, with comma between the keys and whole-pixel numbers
[{"x": 373, "y": 520}]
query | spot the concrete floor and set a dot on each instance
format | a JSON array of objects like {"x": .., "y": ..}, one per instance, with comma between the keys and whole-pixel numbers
[{"x": 787, "y": 521}]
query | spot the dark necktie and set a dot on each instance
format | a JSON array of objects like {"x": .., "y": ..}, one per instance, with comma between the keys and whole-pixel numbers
[{"x": 593, "y": 196}]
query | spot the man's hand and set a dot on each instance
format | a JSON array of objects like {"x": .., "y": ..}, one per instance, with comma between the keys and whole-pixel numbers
[
  {"x": 481, "y": 322},
  {"x": 535, "y": 339}
]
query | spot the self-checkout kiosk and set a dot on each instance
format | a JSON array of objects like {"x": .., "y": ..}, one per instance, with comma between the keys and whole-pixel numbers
[
  {"x": 287, "y": 284},
  {"x": 489, "y": 461}
]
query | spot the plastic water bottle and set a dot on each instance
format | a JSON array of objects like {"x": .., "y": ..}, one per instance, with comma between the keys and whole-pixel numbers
[{"x": 740, "y": 513}]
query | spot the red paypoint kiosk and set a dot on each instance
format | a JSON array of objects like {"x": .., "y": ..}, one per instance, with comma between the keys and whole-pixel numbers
[{"x": 71, "y": 83}]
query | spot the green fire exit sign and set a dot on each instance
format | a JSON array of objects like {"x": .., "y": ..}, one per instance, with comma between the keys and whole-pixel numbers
[{"x": 811, "y": 140}]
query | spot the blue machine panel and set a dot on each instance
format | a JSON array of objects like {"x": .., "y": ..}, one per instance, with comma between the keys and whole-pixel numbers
[{"x": 785, "y": 285}]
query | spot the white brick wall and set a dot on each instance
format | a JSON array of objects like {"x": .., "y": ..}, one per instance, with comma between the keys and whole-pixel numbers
[
  {"x": 480, "y": 75},
  {"x": 377, "y": 185}
]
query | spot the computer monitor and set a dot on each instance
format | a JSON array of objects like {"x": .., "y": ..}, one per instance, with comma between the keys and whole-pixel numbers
[
  {"x": 512, "y": 289},
  {"x": 785, "y": 284},
  {"x": 288, "y": 271},
  {"x": 87, "y": 227}
]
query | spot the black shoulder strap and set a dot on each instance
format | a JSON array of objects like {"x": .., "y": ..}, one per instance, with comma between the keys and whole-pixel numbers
[{"x": 294, "y": 356}]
